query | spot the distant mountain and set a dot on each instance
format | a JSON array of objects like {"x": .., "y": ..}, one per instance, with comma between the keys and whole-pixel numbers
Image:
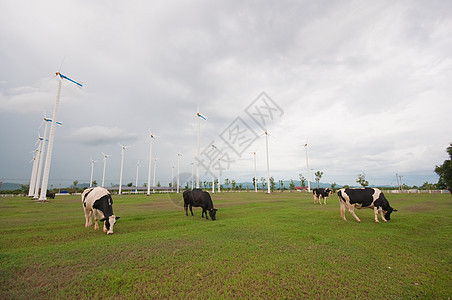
[{"x": 7, "y": 186}]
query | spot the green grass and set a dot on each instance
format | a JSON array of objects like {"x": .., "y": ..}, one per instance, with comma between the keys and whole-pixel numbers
[{"x": 261, "y": 246}]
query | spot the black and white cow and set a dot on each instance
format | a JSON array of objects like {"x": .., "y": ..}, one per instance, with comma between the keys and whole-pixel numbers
[
  {"x": 320, "y": 193},
  {"x": 97, "y": 203},
  {"x": 199, "y": 198},
  {"x": 365, "y": 197}
]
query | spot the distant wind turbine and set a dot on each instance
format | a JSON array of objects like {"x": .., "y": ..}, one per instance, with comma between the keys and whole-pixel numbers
[
  {"x": 178, "y": 164},
  {"x": 92, "y": 169},
  {"x": 213, "y": 174},
  {"x": 307, "y": 164},
  {"x": 153, "y": 181},
  {"x": 136, "y": 180},
  {"x": 150, "y": 162},
  {"x": 268, "y": 165},
  {"x": 105, "y": 156},
  {"x": 34, "y": 169},
  {"x": 123, "y": 149},
  {"x": 199, "y": 150},
  {"x": 45, "y": 179}
]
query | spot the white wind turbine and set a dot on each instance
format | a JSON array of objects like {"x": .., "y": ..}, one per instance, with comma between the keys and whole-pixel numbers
[
  {"x": 172, "y": 178},
  {"x": 123, "y": 149},
  {"x": 192, "y": 164},
  {"x": 44, "y": 140},
  {"x": 153, "y": 182},
  {"x": 219, "y": 175},
  {"x": 92, "y": 170},
  {"x": 136, "y": 180},
  {"x": 45, "y": 179},
  {"x": 105, "y": 156},
  {"x": 150, "y": 162},
  {"x": 34, "y": 169},
  {"x": 213, "y": 174},
  {"x": 307, "y": 164},
  {"x": 255, "y": 178},
  {"x": 199, "y": 150},
  {"x": 268, "y": 165},
  {"x": 178, "y": 164}
]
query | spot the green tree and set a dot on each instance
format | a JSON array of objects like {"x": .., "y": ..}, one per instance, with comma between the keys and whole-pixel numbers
[
  {"x": 233, "y": 183},
  {"x": 272, "y": 184},
  {"x": 362, "y": 180},
  {"x": 302, "y": 180},
  {"x": 333, "y": 186},
  {"x": 74, "y": 183},
  {"x": 226, "y": 181},
  {"x": 130, "y": 184},
  {"x": 444, "y": 171},
  {"x": 291, "y": 185},
  {"x": 94, "y": 183},
  {"x": 318, "y": 176},
  {"x": 264, "y": 182}
]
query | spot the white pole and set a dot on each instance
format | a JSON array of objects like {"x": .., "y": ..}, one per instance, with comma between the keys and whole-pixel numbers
[
  {"x": 198, "y": 153},
  {"x": 268, "y": 165},
  {"x": 255, "y": 178},
  {"x": 41, "y": 161},
  {"x": 153, "y": 183},
  {"x": 92, "y": 169},
  {"x": 33, "y": 170},
  {"x": 219, "y": 174},
  {"x": 172, "y": 178},
  {"x": 103, "y": 174},
  {"x": 178, "y": 156},
  {"x": 122, "y": 166},
  {"x": 213, "y": 180},
  {"x": 192, "y": 164},
  {"x": 150, "y": 164},
  {"x": 45, "y": 179},
  {"x": 307, "y": 167},
  {"x": 136, "y": 178}
]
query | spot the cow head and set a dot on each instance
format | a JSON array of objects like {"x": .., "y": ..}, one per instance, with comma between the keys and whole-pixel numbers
[
  {"x": 212, "y": 213},
  {"x": 388, "y": 213},
  {"x": 109, "y": 222}
]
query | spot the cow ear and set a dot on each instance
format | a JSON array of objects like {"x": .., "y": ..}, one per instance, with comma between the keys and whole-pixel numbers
[
  {"x": 117, "y": 218},
  {"x": 103, "y": 219},
  {"x": 394, "y": 210}
]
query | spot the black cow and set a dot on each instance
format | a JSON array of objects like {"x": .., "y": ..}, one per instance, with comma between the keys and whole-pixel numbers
[
  {"x": 365, "y": 197},
  {"x": 97, "y": 202},
  {"x": 320, "y": 193},
  {"x": 199, "y": 198},
  {"x": 50, "y": 195}
]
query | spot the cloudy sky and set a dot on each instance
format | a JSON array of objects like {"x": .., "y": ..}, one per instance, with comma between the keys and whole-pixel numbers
[{"x": 366, "y": 83}]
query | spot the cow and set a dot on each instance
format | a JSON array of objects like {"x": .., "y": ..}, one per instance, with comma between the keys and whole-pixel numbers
[
  {"x": 199, "y": 198},
  {"x": 320, "y": 193},
  {"x": 50, "y": 195},
  {"x": 97, "y": 202},
  {"x": 365, "y": 197}
]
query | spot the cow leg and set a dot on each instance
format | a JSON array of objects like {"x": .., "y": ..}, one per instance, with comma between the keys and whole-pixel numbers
[
  {"x": 351, "y": 209},
  {"x": 315, "y": 199},
  {"x": 186, "y": 209},
  {"x": 324, "y": 200},
  {"x": 96, "y": 219},
  {"x": 343, "y": 211},
  {"x": 207, "y": 217},
  {"x": 88, "y": 222},
  {"x": 191, "y": 209},
  {"x": 376, "y": 215}
]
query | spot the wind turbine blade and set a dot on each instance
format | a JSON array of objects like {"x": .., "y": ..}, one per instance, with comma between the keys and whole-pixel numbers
[
  {"x": 67, "y": 78},
  {"x": 201, "y": 116}
]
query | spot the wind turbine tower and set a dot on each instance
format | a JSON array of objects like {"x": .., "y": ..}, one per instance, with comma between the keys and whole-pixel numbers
[
  {"x": 123, "y": 149},
  {"x": 150, "y": 162},
  {"x": 268, "y": 165},
  {"x": 92, "y": 169},
  {"x": 307, "y": 165},
  {"x": 255, "y": 178},
  {"x": 136, "y": 180},
  {"x": 105, "y": 165},
  {"x": 199, "y": 150},
  {"x": 45, "y": 179}
]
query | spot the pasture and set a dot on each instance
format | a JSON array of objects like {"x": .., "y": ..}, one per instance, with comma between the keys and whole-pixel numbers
[{"x": 261, "y": 246}]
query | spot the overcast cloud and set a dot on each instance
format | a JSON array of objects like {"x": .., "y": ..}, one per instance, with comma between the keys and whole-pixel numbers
[{"x": 368, "y": 82}]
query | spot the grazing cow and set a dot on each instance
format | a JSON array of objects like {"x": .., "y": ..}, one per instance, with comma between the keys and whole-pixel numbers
[
  {"x": 320, "y": 193},
  {"x": 365, "y": 197},
  {"x": 50, "y": 195},
  {"x": 97, "y": 202},
  {"x": 199, "y": 198}
]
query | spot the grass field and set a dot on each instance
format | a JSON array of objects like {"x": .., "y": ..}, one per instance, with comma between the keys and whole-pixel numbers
[{"x": 261, "y": 246}]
